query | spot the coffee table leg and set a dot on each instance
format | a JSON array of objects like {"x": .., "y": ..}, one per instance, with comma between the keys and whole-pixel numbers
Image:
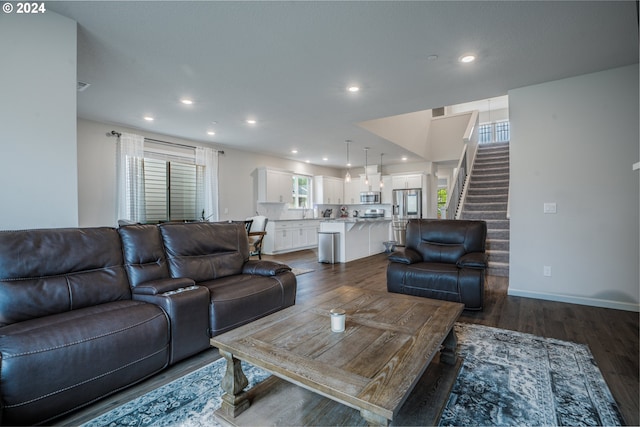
[
  {"x": 373, "y": 419},
  {"x": 234, "y": 401},
  {"x": 449, "y": 353}
]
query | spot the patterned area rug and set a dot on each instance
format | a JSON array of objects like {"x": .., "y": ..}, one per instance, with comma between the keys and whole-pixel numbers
[{"x": 507, "y": 378}]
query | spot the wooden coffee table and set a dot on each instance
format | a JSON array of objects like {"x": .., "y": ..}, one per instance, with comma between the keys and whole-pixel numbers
[{"x": 362, "y": 375}]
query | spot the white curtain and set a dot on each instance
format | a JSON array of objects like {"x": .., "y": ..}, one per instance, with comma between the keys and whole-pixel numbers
[
  {"x": 208, "y": 157},
  {"x": 130, "y": 175}
]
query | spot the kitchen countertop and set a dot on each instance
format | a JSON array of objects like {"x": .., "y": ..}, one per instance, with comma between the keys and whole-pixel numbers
[{"x": 358, "y": 219}]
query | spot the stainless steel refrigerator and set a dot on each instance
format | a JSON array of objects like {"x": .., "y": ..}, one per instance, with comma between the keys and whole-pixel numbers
[{"x": 407, "y": 204}]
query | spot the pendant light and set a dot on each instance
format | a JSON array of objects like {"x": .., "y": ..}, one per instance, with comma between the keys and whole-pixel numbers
[
  {"x": 347, "y": 177},
  {"x": 366, "y": 177},
  {"x": 381, "y": 183}
]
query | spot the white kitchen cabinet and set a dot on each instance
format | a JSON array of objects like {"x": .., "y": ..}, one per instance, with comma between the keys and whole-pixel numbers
[
  {"x": 400, "y": 182},
  {"x": 274, "y": 186},
  {"x": 328, "y": 190},
  {"x": 352, "y": 191},
  {"x": 359, "y": 238},
  {"x": 386, "y": 193},
  {"x": 290, "y": 235}
]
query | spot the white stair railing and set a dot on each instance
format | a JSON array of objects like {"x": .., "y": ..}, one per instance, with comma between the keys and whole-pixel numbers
[{"x": 459, "y": 178}]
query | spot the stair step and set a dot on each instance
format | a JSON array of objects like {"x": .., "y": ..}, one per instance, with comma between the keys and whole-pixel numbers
[
  {"x": 497, "y": 224},
  {"x": 487, "y": 198},
  {"x": 490, "y": 145},
  {"x": 490, "y": 171},
  {"x": 484, "y": 184},
  {"x": 498, "y": 256},
  {"x": 488, "y": 191},
  {"x": 497, "y": 235},
  {"x": 484, "y": 157},
  {"x": 498, "y": 269},
  {"x": 497, "y": 245},
  {"x": 483, "y": 215},
  {"x": 487, "y": 206},
  {"x": 489, "y": 177}
]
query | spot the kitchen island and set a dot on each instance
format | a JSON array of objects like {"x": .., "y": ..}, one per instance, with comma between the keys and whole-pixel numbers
[{"x": 359, "y": 237}]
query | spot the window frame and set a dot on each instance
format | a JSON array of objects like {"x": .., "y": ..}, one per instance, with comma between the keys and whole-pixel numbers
[{"x": 295, "y": 192}]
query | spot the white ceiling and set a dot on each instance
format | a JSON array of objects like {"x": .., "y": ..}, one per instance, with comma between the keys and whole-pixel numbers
[{"x": 287, "y": 64}]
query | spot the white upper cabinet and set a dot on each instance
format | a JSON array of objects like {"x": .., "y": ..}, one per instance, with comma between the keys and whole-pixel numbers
[
  {"x": 274, "y": 186},
  {"x": 400, "y": 182},
  {"x": 328, "y": 190}
]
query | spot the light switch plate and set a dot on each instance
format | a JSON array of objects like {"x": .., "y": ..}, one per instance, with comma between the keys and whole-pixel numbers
[
  {"x": 546, "y": 271},
  {"x": 550, "y": 208}
]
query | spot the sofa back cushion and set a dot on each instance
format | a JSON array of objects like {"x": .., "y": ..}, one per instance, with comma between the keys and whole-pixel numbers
[
  {"x": 144, "y": 255},
  {"x": 442, "y": 240},
  {"x": 205, "y": 250},
  {"x": 49, "y": 271}
]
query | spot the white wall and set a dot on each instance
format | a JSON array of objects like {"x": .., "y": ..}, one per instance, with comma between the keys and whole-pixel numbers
[
  {"x": 573, "y": 142},
  {"x": 445, "y": 137},
  {"x": 38, "y": 167},
  {"x": 237, "y": 175}
]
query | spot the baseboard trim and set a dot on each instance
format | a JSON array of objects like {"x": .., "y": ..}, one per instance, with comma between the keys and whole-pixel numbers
[{"x": 595, "y": 302}]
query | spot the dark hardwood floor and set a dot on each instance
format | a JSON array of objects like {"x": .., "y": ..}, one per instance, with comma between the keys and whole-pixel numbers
[{"x": 612, "y": 335}]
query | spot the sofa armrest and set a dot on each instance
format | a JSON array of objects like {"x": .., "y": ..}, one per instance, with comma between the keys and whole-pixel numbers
[
  {"x": 264, "y": 268},
  {"x": 405, "y": 256},
  {"x": 477, "y": 260},
  {"x": 187, "y": 310},
  {"x": 161, "y": 286}
]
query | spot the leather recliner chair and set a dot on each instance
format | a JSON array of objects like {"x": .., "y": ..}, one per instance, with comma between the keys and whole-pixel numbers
[{"x": 442, "y": 259}]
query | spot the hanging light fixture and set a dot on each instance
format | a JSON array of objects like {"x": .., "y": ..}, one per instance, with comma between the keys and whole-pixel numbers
[
  {"x": 381, "y": 183},
  {"x": 347, "y": 177},
  {"x": 366, "y": 177}
]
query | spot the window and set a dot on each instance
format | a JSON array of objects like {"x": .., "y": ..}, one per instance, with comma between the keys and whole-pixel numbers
[
  {"x": 172, "y": 191},
  {"x": 161, "y": 181},
  {"x": 502, "y": 132},
  {"x": 442, "y": 201},
  {"x": 484, "y": 133},
  {"x": 301, "y": 192},
  {"x": 494, "y": 132}
]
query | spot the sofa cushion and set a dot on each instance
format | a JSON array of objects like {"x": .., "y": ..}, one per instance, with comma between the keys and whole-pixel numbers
[
  {"x": 143, "y": 253},
  {"x": 240, "y": 299},
  {"x": 445, "y": 241},
  {"x": 204, "y": 250},
  {"x": 57, "y": 363},
  {"x": 44, "y": 272},
  {"x": 425, "y": 279}
]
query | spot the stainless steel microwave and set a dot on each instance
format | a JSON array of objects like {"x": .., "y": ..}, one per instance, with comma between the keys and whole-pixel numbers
[{"x": 370, "y": 197}]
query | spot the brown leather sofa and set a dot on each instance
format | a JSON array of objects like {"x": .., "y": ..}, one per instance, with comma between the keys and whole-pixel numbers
[
  {"x": 86, "y": 312},
  {"x": 442, "y": 259}
]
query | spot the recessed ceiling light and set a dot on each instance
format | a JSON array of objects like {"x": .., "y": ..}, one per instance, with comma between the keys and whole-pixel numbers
[
  {"x": 251, "y": 121},
  {"x": 325, "y": 158},
  {"x": 465, "y": 59},
  {"x": 149, "y": 118},
  {"x": 404, "y": 159},
  {"x": 353, "y": 88},
  {"x": 307, "y": 161},
  {"x": 294, "y": 151},
  {"x": 211, "y": 133},
  {"x": 186, "y": 101}
]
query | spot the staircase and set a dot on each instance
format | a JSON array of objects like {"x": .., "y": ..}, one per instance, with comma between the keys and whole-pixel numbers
[{"x": 486, "y": 199}]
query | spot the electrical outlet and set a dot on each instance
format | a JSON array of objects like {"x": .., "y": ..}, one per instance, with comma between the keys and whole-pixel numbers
[
  {"x": 546, "y": 271},
  {"x": 550, "y": 208},
  {"x": 226, "y": 211}
]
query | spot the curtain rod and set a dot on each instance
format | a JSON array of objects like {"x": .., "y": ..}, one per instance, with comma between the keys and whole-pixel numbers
[{"x": 118, "y": 134}]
